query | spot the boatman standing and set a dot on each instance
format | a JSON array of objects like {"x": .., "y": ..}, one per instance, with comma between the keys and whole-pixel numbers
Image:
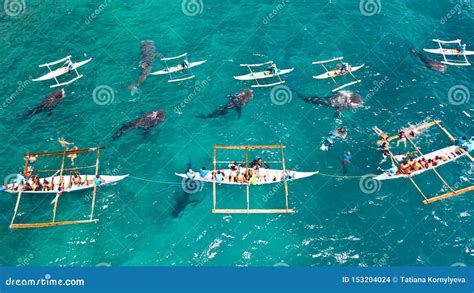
[
  {"x": 462, "y": 49},
  {"x": 185, "y": 63},
  {"x": 69, "y": 65}
]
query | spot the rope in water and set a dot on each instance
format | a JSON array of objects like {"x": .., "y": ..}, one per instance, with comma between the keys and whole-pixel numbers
[
  {"x": 155, "y": 181},
  {"x": 345, "y": 176}
]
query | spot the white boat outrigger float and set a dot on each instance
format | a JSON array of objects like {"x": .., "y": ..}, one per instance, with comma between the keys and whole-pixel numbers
[
  {"x": 451, "y": 52},
  {"x": 182, "y": 67},
  {"x": 273, "y": 71},
  {"x": 338, "y": 72},
  {"x": 67, "y": 67}
]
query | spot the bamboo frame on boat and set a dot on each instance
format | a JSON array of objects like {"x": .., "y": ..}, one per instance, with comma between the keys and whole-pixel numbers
[
  {"x": 249, "y": 210},
  {"x": 61, "y": 171},
  {"x": 427, "y": 200}
]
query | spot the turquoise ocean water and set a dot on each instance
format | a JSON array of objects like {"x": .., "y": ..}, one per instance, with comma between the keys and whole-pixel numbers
[{"x": 158, "y": 224}]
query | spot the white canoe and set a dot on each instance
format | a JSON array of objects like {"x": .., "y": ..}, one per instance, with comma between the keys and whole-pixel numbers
[
  {"x": 262, "y": 74},
  {"x": 62, "y": 70},
  {"x": 267, "y": 176},
  {"x": 66, "y": 179},
  {"x": 177, "y": 68},
  {"x": 337, "y": 72},
  {"x": 448, "y": 52},
  {"x": 452, "y": 152}
]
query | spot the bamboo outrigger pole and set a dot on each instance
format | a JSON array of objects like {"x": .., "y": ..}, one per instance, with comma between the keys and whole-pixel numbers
[
  {"x": 60, "y": 183},
  {"x": 214, "y": 181},
  {"x": 285, "y": 182},
  {"x": 95, "y": 185},
  {"x": 247, "y": 171},
  {"x": 16, "y": 209}
]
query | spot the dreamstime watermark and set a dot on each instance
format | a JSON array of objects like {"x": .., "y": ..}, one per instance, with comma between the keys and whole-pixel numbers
[
  {"x": 281, "y": 95},
  {"x": 14, "y": 7},
  {"x": 191, "y": 186},
  {"x": 197, "y": 88},
  {"x": 274, "y": 12},
  {"x": 24, "y": 261},
  {"x": 103, "y": 95},
  {"x": 97, "y": 11},
  {"x": 192, "y": 7},
  {"x": 281, "y": 264},
  {"x": 458, "y": 95},
  {"x": 22, "y": 85},
  {"x": 370, "y": 7},
  {"x": 10, "y": 178},
  {"x": 369, "y": 185},
  {"x": 456, "y": 10}
]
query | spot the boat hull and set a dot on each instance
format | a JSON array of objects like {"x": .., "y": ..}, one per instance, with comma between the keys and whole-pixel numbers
[
  {"x": 335, "y": 72},
  {"x": 448, "y": 52},
  {"x": 262, "y": 74},
  {"x": 268, "y": 174},
  {"x": 108, "y": 181},
  {"x": 441, "y": 152},
  {"x": 177, "y": 68}
]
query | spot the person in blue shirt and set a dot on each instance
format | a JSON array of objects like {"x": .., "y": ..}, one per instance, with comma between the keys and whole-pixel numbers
[
  {"x": 203, "y": 172},
  {"x": 460, "y": 141},
  {"x": 97, "y": 180}
]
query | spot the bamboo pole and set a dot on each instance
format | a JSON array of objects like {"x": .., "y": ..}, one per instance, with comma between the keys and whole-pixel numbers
[
  {"x": 215, "y": 179},
  {"x": 449, "y": 194},
  {"x": 65, "y": 169},
  {"x": 25, "y": 169},
  {"x": 434, "y": 170},
  {"x": 285, "y": 182},
  {"x": 242, "y": 147},
  {"x": 51, "y": 224},
  {"x": 16, "y": 208},
  {"x": 95, "y": 185},
  {"x": 69, "y": 152},
  {"x": 60, "y": 183},
  {"x": 454, "y": 139},
  {"x": 253, "y": 211}
]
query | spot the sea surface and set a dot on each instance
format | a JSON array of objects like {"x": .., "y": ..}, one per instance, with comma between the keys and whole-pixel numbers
[{"x": 149, "y": 219}]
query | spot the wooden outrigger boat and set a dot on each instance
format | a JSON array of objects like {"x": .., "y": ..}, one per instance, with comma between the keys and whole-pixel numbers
[
  {"x": 445, "y": 155},
  {"x": 337, "y": 72},
  {"x": 60, "y": 179},
  {"x": 54, "y": 74},
  {"x": 184, "y": 66},
  {"x": 267, "y": 176},
  {"x": 256, "y": 75},
  {"x": 451, "y": 52}
]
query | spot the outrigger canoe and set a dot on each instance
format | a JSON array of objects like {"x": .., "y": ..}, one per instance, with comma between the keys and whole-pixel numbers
[
  {"x": 269, "y": 176},
  {"x": 60, "y": 71},
  {"x": 108, "y": 180},
  {"x": 262, "y": 74},
  {"x": 337, "y": 72},
  {"x": 448, "y": 52},
  {"x": 452, "y": 153},
  {"x": 177, "y": 68}
]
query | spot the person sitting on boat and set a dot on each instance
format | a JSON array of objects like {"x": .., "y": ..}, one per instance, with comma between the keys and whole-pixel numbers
[
  {"x": 344, "y": 67},
  {"x": 69, "y": 65},
  {"x": 402, "y": 138},
  {"x": 219, "y": 177},
  {"x": 76, "y": 178},
  {"x": 97, "y": 180},
  {"x": 31, "y": 161},
  {"x": 203, "y": 172},
  {"x": 185, "y": 64},
  {"x": 20, "y": 178},
  {"x": 253, "y": 180},
  {"x": 190, "y": 174},
  {"x": 273, "y": 69},
  {"x": 468, "y": 145},
  {"x": 462, "y": 49},
  {"x": 233, "y": 166}
]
